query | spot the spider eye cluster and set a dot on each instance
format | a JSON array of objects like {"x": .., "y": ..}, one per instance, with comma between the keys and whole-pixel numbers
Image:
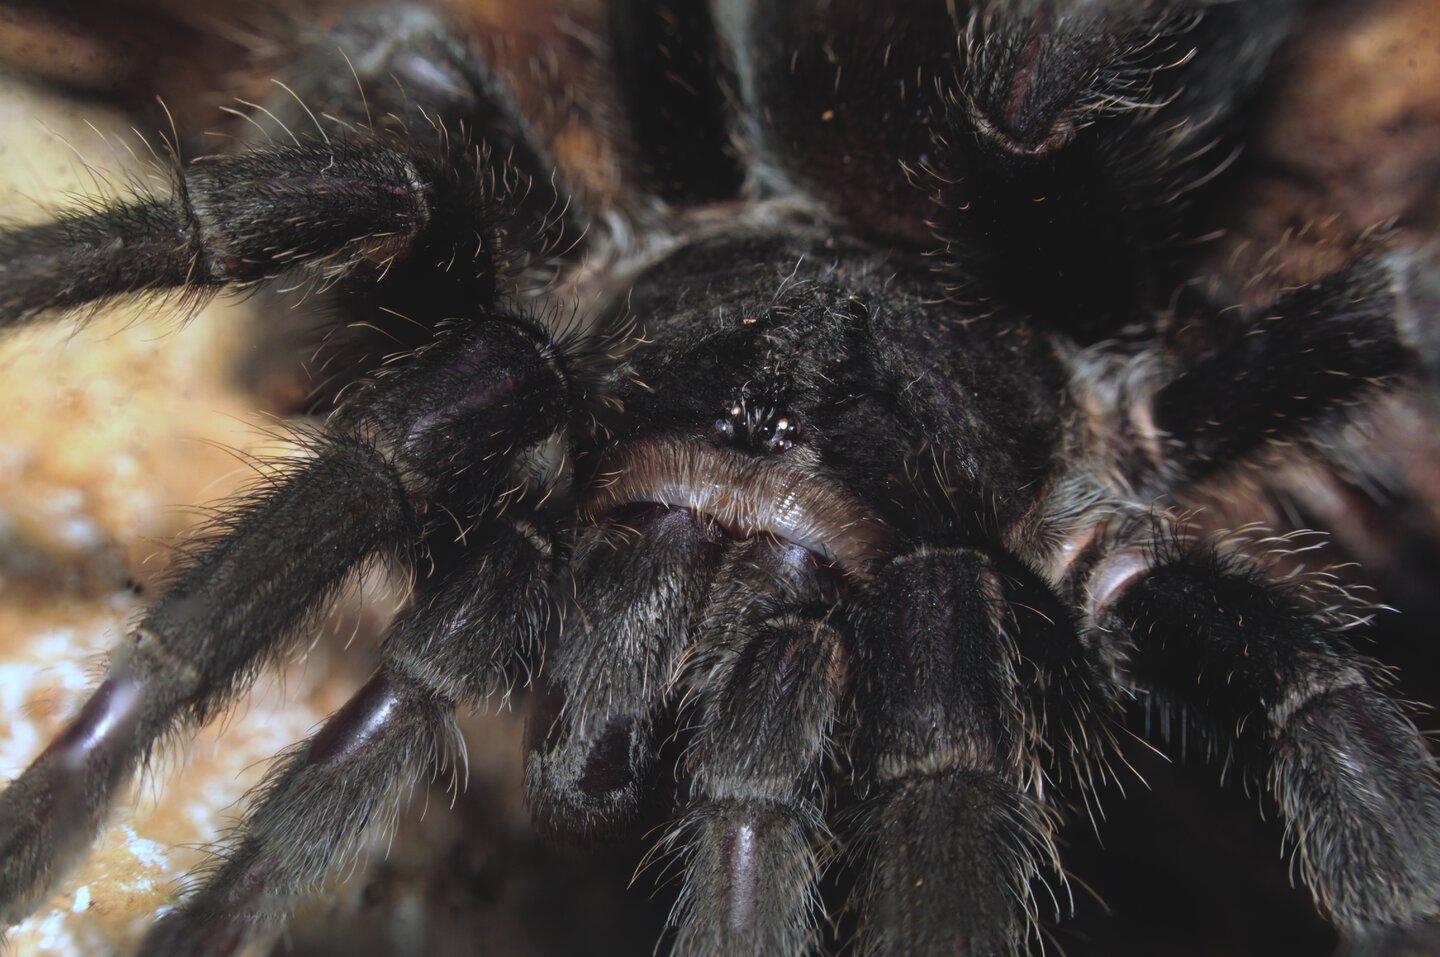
[{"x": 758, "y": 426}]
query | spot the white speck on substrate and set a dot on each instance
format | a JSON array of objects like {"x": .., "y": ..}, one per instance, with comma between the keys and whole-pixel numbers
[
  {"x": 124, "y": 466},
  {"x": 82, "y": 899},
  {"x": 66, "y": 500},
  {"x": 81, "y": 533},
  {"x": 50, "y": 933},
  {"x": 149, "y": 853},
  {"x": 15, "y": 682},
  {"x": 54, "y": 643},
  {"x": 201, "y": 815}
]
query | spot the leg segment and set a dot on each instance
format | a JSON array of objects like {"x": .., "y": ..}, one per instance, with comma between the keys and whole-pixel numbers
[
  {"x": 244, "y": 597},
  {"x": 1264, "y": 663},
  {"x": 1321, "y": 347},
  {"x": 317, "y": 810},
  {"x": 237, "y": 220},
  {"x": 458, "y": 645},
  {"x": 426, "y": 181},
  {"x": 767, "y": 677},
  {"x": 957, "y": 836},
  {"x": 403, "y": 73},
  {"x": 641, "y": 580},
  {"x": 463, "y": 408}
]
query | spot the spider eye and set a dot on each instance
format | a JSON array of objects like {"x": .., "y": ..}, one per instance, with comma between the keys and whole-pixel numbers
[
  {"x": 782, "y": 435},
  {"x": 758, "y": 426}
]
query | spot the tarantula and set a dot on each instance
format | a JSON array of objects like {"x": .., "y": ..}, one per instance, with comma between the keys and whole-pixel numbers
[{"x": 844, "y": 462}]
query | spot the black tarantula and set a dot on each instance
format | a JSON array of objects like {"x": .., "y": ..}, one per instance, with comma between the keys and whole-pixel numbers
[{"x": 823, "y": 497}]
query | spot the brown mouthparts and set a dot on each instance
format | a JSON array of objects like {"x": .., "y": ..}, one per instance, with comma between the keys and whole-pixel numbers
[{"x": 747, "y": 496}]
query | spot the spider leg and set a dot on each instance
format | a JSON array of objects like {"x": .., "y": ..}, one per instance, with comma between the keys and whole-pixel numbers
[
  {"x": 456, "y": 646},
  {"x": 1264, "y": 664},
  {"x": 1320, "y": 347},
  {"x": 456, "y": 415},
  {"x": 673, "y": 91},
  {"x": 246, "y": 592},
  {"x": 452, "y": 184},
  {"x": 328, "y": 795},
  {"x": 640, "y": 583},
  {"x": 767, "y": 677},
  {"x": 401, "y": 73},
  {"x": 237, "y": 220},
  {"x": 446, "y": 425},
  {"x": 387, "y": 68},
  {"x": 1067, "y": 138},
  {"x": 957, "y": 835}
]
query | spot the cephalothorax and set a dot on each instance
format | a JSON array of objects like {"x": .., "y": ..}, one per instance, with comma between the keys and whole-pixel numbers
[{"x": 852, "y": 475}]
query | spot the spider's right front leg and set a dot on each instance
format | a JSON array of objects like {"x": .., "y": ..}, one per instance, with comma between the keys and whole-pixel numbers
[
  {"x": 464, "y": 407},
  {"x": 408, "y": 196}
]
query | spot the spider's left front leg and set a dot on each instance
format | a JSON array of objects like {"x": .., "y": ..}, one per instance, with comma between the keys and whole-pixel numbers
[{"x": 1265, "y": 664}]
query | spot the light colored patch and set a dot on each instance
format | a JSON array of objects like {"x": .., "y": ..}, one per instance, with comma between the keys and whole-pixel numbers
[
  {"x": 111, "y": 426},
  {"x": 148, "y": 853}
]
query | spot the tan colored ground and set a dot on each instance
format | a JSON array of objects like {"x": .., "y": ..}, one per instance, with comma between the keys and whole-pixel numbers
[{"x": 108, "y": 425}]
